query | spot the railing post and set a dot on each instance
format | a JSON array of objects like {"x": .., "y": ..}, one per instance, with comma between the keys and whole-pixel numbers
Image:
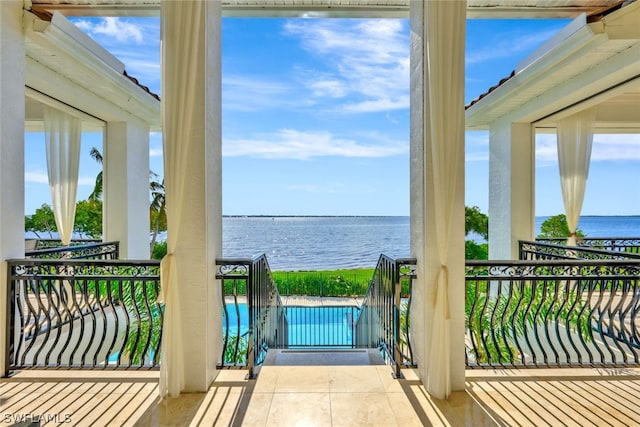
[
  {"x": 397, "y": 299},
  {"x": 251, "y": 351},
  {"x": 10, "y": 319}
]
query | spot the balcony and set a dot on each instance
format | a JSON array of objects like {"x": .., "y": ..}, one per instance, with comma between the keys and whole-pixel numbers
[{"x": 586, "y": 381}]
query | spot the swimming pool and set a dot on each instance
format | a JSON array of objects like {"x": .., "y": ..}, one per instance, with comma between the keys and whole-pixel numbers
[{"x": 318, "y": 326}]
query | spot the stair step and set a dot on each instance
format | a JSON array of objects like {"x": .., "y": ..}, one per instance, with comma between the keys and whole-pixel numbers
[{"x": 323, "y": 357}]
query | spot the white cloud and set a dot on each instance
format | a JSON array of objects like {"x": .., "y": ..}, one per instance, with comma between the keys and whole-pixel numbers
[
  {"x": 146, "y": 70},
  {"x": 605, "y": 147},
  {"x": 546, "y": 148},
  {"x": 482, "y": 156},
  {"x": 508, "y": 46},
  {"x": 293, "y": 144},
  {"x": 134, "y": 41},
  {"x": 38, "y": 177},
  {"x": 117, "y": 28},
  {"x": 372, "y": 106},
  {"x": 332, "y": 88},
  {"x": 477, "y": 146},
  {"x": 367, "y": 59},
  {"x": 616, "y": 147},
  {"x": 155, "y": 152},
  {"x": 391, "y": 119},
  {"x": 87, "y": 180},
  {"x": 242, "y": 93}
]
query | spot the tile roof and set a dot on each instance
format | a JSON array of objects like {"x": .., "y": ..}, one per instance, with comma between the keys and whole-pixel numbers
[
  {"x": 591, "y": 18},
  {"x": 491, "y": 89},
  {"x": 143, "y": 87}
]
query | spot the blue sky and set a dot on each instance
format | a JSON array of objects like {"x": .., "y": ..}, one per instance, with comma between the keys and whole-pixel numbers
[{"x": 316, "y": 117}]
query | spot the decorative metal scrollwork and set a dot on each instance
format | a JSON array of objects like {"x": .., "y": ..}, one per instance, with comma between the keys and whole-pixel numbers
[
  {"x": 84, "y": 313},
  {"x": 232, "y": 268},
  {"x": 546, "y": 313}
]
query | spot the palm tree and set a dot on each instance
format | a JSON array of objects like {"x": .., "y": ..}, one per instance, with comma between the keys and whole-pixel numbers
[
  {"x": 96, "y": 194},
  {"x": 158, "y": 208}
]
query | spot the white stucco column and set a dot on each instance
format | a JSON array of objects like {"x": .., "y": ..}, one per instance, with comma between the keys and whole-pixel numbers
[
  {"x": 426, "y": 209},
  {"x": 126, "y": 187},
  {"x": 511, "y": 187},
  {"x": 193, "y": 183},
  {"x": 417, "y": 224},
  {"x": 12, "y": 116}
]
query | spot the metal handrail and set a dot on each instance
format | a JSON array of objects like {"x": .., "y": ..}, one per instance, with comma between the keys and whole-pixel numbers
[
  {"x": 56, "y": 243},
  {"x": 268, "y": 326},
  {"x": 621, "y": 244},
  {"x": 381, "y": 322},
  {"x": 83, "y": 314},
  {"x": 547, "y": 251},
  {"x": 101, "y": 250}
]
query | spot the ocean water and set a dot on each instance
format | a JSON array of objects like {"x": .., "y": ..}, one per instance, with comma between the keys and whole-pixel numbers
[
  {"x": 604, "y": 226},
  {"x": 318, "y": 243},
  {"x": 327, "y": 243}
]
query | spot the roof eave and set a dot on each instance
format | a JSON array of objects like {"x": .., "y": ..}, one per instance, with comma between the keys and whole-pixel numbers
[
  {"x": 126, "y": 98},
  {"x": 579, "y": 34}
]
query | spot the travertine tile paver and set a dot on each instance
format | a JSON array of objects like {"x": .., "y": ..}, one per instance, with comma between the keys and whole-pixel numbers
[{"x": 325, "y": 396}]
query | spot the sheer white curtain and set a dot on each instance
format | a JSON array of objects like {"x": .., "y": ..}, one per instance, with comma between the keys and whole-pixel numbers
[
  {"x": 575, "y": 138},
  {"x": 62, "y": 142},
  {"x": 182, "y": 36},
  {"x": 445, "y": 27}
]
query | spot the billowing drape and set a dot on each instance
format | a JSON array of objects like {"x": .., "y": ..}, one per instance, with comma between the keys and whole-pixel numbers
[
  {"x": 445, "y": 26},
  {"x": 182, "y": 40},
  {"x": 62, "y": 142},
  {"x": 575, "y": 138}
]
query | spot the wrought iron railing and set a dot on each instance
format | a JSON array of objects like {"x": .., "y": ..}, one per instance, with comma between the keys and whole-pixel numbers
[
  {"x": 620, "y": 244},
  {"x": 57, "y": 243},
  {"x": 267, "y": 322},
  {"x": 384, "y": 317},
  {"x": 322, "y": 283},
  {"x": 548, "y": 251},
  {"x": 322, "y": 326},
  {"x": 107, "y": 250},
  {"x": 83, "y": 314},
  {"x": 566, "y": 313}
]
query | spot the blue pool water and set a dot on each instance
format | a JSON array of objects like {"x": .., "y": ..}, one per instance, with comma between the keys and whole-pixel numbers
[
  {"x": 308, "y": 326},
  {"x": 322, "y": 326},
  {"x": 238, "y": 318}
]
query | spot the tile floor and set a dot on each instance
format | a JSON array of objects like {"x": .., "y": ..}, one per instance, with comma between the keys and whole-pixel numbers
[{"x": 327, "y": 395}]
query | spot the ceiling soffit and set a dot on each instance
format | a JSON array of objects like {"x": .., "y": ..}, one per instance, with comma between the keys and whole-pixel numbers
[{"x": 335, "y": 8}]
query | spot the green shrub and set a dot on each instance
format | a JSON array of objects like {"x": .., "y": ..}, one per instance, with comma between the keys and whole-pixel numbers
[
  {"x": 231, "y": 357},
  {"x": 159, "y": 250},
  {"x": 336, "y": 283},
  {"x": 473, "y": 250},
  {"x": 556, "y": 227}
]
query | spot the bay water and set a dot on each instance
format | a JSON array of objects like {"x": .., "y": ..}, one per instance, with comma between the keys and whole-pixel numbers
[{"x": 319, "y": 243}]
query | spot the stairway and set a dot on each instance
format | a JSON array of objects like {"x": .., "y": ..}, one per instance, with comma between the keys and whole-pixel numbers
[{"x": 323, "y": 357}]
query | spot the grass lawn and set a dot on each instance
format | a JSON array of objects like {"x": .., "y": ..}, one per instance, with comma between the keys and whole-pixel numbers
[{"x": 349, "y": 282}]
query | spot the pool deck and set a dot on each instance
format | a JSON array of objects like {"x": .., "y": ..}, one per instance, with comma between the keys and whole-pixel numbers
[{"x": 308, "y": 301}]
